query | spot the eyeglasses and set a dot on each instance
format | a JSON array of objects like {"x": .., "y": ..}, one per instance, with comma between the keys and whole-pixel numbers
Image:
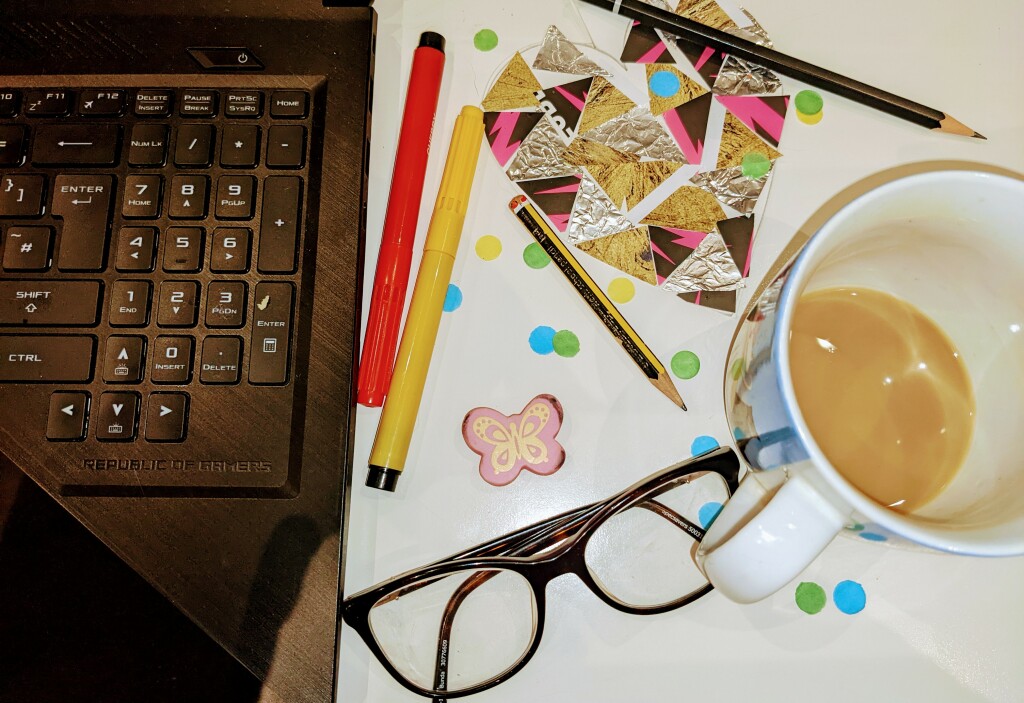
[{"x": 469, "y": 622}]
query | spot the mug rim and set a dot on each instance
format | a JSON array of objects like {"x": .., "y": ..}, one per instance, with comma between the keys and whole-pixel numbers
[{"x": 944, "y": 539}]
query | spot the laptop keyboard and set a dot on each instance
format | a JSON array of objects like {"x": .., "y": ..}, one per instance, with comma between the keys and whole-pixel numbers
[{"x": 151, "y": 243}]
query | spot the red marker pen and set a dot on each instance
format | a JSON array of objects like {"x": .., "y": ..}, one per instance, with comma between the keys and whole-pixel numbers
[{"x": 391, "y": 281}]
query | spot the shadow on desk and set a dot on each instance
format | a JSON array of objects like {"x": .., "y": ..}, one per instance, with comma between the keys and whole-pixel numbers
[{"x": 79, "y": 625}]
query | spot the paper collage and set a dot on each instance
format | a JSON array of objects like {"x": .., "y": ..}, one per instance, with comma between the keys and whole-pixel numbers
[{"x": 663, "y": 191}]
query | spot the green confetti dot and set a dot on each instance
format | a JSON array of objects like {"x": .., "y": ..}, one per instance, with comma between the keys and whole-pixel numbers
[
  {"x": 855, "y": 527},
  {"x": 566, "y": 343},
  {"x": 685, "y": 364},
  {"x": 485, "y": 40},
  {"x": 809, "y": 102},
  {"x": 756, "y": 165},
  {"x": 810, "y": 597},
  {"x": 535, "y": 256}
]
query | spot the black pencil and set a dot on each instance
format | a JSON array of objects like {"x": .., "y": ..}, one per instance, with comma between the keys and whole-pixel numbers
[{"x": 854, "y": 90}]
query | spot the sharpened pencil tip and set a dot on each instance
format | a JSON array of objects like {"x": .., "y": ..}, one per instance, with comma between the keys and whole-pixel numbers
[
  {"x": 682, "y": 405},
  {"x": 979, "y": 136}
]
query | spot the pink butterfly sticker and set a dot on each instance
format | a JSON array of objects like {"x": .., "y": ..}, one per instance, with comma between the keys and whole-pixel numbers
[{"x": 509, "y": 444}]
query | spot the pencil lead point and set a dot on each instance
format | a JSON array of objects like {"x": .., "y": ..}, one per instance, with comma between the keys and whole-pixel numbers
[{"x": 979, "y": 136}]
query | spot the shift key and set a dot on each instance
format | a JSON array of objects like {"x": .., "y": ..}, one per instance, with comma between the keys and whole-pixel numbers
[
  {"x": 50, "y": 303},
  {"x": 83, "y": 202},
  {"x": 271, "y": 334},
  {"x": 46, "y": 359}
]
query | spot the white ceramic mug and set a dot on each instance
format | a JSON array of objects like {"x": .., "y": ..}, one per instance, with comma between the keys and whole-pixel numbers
[{"x": 952, "y": 244}]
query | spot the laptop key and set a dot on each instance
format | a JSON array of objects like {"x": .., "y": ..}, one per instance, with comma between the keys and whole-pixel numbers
[
  {"x": 231, "y": 249},
  {"x": 286, "y": 146},
  {"x": 240, "y": 147},
  {"x": 172, "y": 360},
  {"x": 101, "y": 103},
  {"x": 50, "y": 303},
  {"x": 129, "y": 303},
  {"x": 222, "y": 360},
  {"x": 67, "y": 420},
  {"x": 136, "y": 249},
  {"x": 236, "y": 197},
  {"x": 167, "y": 419},
  {"x": 76, "y": 145},
  {"x": 195, "y": 145},
  {"x": 183, "y": 249},
  {"x": 279, "y": 225},
  {"x": 12, "y": 145},
  {"x": 198, "y": 103},
  {"x": 153, "y": 102},
  {"x": 148, "y": 145},
  {"x": 243, "y": 103},
  {"x": 271, "y": 334},
  {"x": 289, "y": 104},
  {"x": 178, "y": 304},
  {"x": 27, "y": 248},
  {"x": 47, "y": 103},
  {"x": 142, "y": 197},
  {"x": 22, "y": 196},
  {"x": 41, "y": 358},
  {"x": 188, "y": 197},
  {"x": 117, "y": 417},
  {"x": 83, "y": 202},
  {"x": 9, "y": 101},
  {"x": 225, "y": 304},
  {"x": 124, "y": 359}
]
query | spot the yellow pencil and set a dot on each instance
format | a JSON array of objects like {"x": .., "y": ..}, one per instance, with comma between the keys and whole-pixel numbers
[
  {"x": 594, "y": 297},
  {"x": 391, "y": 445}
]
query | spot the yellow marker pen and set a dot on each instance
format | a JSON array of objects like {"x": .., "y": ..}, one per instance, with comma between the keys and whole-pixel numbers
[{"x": 391, "y": 445}]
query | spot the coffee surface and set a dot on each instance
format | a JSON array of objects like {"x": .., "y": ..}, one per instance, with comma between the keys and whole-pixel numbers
[{"x": 884, "y": 392}]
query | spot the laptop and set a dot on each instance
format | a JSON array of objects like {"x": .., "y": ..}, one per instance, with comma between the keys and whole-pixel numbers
[{"x": 182, "y": 212}]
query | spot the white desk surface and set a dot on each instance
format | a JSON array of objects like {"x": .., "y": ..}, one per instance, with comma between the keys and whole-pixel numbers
[{"x": 935, "y": 627}]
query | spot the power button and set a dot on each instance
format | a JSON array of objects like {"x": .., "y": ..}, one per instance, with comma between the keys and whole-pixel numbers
[{"x": 226, "y": 58}]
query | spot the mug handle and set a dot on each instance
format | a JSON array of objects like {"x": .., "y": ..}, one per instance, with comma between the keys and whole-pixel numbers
[{"x": 760, "y": 542}]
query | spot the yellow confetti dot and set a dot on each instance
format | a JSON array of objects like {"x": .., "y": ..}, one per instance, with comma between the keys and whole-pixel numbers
[
  {"x": 621, "y": 290},
  {"x": 810, "y": 119},
  {"x": 488, "y": 247}
]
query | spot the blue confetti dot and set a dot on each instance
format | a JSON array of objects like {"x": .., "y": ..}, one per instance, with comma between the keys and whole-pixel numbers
[
  {"x": 664, "y": 84},
  {"x": 703, "y": 444},
  {"x": 849, "y": 597},
  {"x": 708, "y": 512},
  {"x": 737, "y": 433},
  {"x": 872, "y": 536},
  {"x": 453, "y": 298},
  {"x": 542, "y": 339}
]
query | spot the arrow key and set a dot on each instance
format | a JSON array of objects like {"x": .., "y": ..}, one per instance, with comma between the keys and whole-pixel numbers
[
  {"x": 136, "y": 249},
  {"x": 117, "y": 417},
  {"x": 68, "y": 417},
  {"x": 167, "y": 418},
  {"x": 123, "y": 362}
]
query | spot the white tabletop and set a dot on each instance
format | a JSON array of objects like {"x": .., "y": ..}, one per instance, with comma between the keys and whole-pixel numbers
[{"x": 935, "y": 627}]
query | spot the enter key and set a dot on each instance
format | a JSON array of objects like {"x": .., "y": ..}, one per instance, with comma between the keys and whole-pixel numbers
[{"x": 83, "y": 202}]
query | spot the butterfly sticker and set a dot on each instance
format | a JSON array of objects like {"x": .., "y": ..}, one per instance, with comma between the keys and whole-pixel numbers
[{"x": 509, "y": 444}]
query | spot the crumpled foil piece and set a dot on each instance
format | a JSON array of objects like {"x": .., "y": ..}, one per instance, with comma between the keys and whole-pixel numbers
[
  {"x": 732, "y": 188},
  {"x": 560, "y": 55},
  {"x": 709, "y": 267},
  {"x": 594, "y": 215},
  {"x": 638, "y": 132},
  {"x": 540, "y": 155},
  {"x": 753, "y": 32},
  {"x": 739, "y": 77}
]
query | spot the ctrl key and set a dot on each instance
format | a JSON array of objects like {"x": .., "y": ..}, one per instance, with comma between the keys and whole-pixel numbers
[
  {"x": 39, "y": 358},
  {"x": 68, "y": 418}
]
